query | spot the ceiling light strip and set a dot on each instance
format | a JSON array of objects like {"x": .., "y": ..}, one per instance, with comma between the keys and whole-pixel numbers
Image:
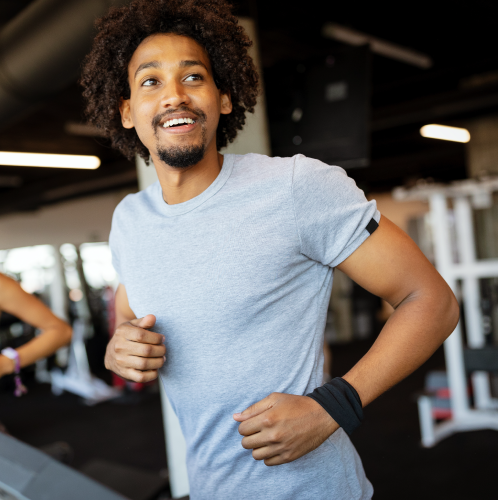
[
  {"x": 48, "y": 160},
  {"x": 445, "y": 133}
]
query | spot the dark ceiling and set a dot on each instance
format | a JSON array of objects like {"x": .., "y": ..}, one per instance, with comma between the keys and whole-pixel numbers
[{"x": 460, "y": 37}]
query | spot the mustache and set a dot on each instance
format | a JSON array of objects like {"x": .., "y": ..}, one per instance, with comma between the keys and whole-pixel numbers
[{"x": 201, "y": 116}]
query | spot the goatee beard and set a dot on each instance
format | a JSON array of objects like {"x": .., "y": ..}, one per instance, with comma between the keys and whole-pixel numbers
[
  {"x": 187, "y": 155},
  {"x": 182, "y": 156}
]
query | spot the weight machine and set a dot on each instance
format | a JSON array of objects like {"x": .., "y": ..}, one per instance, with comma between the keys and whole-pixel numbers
[{"x": 477, "y": 358}]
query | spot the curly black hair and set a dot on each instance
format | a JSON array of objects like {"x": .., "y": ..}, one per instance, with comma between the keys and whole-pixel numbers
[{"x": 209, "y": 22}]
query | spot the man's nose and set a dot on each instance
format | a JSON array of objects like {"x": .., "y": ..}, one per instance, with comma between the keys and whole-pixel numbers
[{"x": 174, "y": 95}]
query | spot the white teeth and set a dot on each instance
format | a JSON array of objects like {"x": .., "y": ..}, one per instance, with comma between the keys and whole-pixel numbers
[{"x": 177, "y": 121}]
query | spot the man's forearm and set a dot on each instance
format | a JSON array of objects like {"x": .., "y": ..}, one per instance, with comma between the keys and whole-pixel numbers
[
  {"x": 414, "y": 331},
  {"x": 418, "y": 326}
]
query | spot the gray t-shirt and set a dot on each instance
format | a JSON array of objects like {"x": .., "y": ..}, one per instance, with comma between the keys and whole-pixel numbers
[{"x": 239, "y": 279}]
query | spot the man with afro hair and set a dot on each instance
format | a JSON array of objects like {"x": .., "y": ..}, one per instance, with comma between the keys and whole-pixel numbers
[{"x": 226, "y": 265}]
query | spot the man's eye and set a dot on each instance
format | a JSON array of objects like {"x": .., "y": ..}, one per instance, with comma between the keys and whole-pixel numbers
[
  {"x": 192, "y": 78},
  {"x": 149, "y": 82}
]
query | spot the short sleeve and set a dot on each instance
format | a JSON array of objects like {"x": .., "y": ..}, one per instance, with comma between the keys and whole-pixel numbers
[{"x": 332, "y": 213}]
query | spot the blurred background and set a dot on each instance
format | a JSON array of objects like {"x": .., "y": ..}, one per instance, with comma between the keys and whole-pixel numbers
[{"x": 404, "y": 96}]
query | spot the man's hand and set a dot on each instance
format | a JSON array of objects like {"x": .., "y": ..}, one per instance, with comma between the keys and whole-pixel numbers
[
  {"x": 282, "y": 427},
  {"x": 134, "y": 353}
]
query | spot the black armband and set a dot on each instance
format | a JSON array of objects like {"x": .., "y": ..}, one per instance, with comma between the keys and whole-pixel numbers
[
  {"x": 341, "y": 401},
  {"x": 372, "y": 226}
]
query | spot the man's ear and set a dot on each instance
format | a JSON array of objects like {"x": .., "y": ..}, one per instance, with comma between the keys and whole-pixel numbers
[
  {"x": 124, "y": 109},
  {"x": 226, "y": 104}
]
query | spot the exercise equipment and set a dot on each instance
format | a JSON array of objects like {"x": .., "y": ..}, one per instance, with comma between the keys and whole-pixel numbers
[
  {"x": 464, "y": 196},
  {"x": 29, "y": 474},
  {"x": 134, "y": 483},
  {"x": 77, "y": 378}
]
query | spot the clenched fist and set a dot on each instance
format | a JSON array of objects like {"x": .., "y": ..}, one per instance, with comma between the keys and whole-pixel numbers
[
  {"x": 134, "y": 352},
  {"x": 282, "y": 427}
]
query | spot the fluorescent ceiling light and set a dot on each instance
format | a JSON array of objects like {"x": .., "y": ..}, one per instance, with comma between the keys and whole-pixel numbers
[
  {"x": 445, "y": 133},
  {"x": 47, "y": 160},
  {"x": 377, "y": 45}
]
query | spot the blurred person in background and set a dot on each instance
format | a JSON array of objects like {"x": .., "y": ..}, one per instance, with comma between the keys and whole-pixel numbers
[
  {"x": 226, "y": 265},
  {"x": 55, "y": 333}
]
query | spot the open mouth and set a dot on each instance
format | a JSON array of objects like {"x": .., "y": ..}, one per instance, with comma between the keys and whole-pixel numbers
[{"x": 178, "y": 122}]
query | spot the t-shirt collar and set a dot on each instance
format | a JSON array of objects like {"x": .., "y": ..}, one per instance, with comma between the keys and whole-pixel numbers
[{"x": 187, "y": 206}]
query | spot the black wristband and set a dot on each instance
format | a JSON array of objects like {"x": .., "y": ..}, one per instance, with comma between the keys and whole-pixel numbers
[{"x": 341, "y": 401}]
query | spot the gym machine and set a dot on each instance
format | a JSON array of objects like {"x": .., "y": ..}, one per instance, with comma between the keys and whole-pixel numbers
[
  {"x": 29, "y": 474},
  {"x": 476, "y": 359}
]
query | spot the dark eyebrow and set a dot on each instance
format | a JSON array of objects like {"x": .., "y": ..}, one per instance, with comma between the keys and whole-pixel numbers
[
  {"x": 188, "y": 63},
  {"x": 145, "y": 65}
]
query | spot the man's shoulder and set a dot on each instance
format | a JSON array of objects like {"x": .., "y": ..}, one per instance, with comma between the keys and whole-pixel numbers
[
  {"x": 256, "y": 175},
  {"x": 261, "y": 161},
  {"x": 297, "y": 170},
  {"x": 280, "y": 163},
  {"x": 253, "y": 167}
]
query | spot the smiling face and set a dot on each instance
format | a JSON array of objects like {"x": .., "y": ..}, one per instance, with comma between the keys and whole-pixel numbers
[{"x": 174, "y": 103}]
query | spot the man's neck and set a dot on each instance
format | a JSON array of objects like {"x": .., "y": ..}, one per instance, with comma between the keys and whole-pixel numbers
[{"x": 183, "y": 184}]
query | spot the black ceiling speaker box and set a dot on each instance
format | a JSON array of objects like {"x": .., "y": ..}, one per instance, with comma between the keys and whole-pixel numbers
[
  {"x": 29, "y": 474},
  {"x": 321, "y": 107}
]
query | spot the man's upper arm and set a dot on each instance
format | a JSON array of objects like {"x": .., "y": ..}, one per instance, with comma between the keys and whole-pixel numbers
[
  {"x": 123, "y": 310},
  {"x": 390, "y": 265}
]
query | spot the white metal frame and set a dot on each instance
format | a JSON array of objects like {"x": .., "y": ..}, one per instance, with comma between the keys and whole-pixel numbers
[
  {"x": 77, "y": 378},
  {"x": 469, "y": 270}
]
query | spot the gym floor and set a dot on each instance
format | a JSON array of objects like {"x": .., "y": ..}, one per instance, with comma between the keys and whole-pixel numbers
[{"x": 129, "y": 433}]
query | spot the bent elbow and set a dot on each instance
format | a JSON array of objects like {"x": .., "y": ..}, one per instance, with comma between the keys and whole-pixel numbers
[
  {"x": 66, "y": 334},
  {"x": 452, "y": 313}
]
